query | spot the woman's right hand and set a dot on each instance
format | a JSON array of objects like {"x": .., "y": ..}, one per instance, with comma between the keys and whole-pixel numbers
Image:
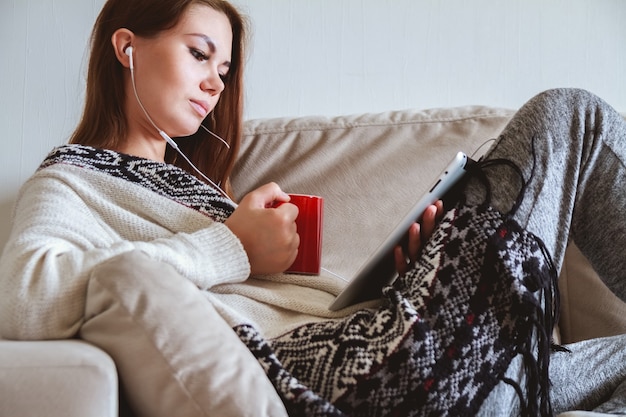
[
  {"x": 266, "y": 230},
  {"x": 419, "y": 233}
]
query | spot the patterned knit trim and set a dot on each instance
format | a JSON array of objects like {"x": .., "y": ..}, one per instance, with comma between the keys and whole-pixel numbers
[{"x": 164, "y": 179}]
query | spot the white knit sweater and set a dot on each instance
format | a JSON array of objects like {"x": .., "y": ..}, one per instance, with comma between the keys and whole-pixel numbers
[{"x": 72, "y": 214}]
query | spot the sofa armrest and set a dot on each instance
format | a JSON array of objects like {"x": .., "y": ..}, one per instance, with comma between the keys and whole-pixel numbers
[{"x": 65, "y": 378}]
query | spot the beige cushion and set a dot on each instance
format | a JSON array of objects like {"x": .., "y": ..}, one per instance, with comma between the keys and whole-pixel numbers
[
  {"x": 371, "y": 167},
  {"x": 175, "y": 354},
  {"x": 67, "y": 378},
  {"x": 589, "y": 309}
]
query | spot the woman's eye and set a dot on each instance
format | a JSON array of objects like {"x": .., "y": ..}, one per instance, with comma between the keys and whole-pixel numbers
[{"x": 198, "y": 54}]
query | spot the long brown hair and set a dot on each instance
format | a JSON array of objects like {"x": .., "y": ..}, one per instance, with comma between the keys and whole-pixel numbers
[{"x": 103, "y": 123}]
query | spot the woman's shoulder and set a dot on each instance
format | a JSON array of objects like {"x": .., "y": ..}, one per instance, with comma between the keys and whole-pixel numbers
[
  {"x": 82, "y": 158},
  {"x": 83, "y": 155},
  {"x": 79, "y": 163}
]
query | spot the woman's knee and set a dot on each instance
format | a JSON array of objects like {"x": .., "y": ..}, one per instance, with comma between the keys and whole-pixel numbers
[{"x": 565, "y": 99}]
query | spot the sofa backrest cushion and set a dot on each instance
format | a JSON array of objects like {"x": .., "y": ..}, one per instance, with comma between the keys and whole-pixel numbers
[{"x": 370, "y": 168}]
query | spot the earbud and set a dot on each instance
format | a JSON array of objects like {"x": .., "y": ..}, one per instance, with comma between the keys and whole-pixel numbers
[{"x": 129, "y": 52}]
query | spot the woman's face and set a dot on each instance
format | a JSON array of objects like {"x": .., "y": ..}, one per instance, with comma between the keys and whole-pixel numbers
[{"x": 179, "y": 74}]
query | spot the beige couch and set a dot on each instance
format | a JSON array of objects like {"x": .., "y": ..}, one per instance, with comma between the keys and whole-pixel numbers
[{"x": 369, "y": 168}]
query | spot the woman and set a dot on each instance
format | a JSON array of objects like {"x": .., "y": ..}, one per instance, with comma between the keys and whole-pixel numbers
[{"x": 173, "y": 69}]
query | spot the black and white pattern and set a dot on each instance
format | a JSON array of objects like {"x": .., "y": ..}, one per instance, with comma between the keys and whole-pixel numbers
[
  {"x": 164, "y": 179},
  {"x": 441, "y": 342}
]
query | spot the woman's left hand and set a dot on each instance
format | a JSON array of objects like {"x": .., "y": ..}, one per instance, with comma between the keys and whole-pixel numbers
[{"x": 418, "y": 234}]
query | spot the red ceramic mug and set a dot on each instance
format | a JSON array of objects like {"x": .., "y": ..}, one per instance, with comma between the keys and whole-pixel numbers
[{"x": 310, "y": 224}]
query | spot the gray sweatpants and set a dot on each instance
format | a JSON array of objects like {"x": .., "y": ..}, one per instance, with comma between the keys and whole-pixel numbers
[{"x": 571, "y": 148}]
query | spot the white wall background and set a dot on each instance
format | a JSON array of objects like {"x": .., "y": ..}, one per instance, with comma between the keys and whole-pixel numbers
[
  {"x": 346, "y": 56},
  {"x": 326, "y": 57}
]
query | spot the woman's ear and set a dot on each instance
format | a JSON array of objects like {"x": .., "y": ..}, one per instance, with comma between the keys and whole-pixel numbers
[{"x": 121, "y": 40}]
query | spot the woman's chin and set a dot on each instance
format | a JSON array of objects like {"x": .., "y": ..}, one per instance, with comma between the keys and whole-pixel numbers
[{"x": 183, "y": 133}]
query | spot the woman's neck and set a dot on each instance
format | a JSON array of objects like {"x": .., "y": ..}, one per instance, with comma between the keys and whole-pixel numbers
[{"x": 153, "y": 149}]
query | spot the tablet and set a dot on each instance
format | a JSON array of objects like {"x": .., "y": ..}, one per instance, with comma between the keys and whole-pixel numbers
[{"x": 379, "y": 270}]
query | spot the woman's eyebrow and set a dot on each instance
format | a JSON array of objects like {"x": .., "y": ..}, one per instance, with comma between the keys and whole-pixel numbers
[
  {"x": 208, "y": 40},
  {"x": 210, "y": 43}
]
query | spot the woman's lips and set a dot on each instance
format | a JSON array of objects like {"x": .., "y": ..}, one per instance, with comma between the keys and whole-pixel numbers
[{"x": 201, "y": 107}]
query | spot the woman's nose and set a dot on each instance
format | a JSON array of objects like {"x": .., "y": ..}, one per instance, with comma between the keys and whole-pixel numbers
[{"x": 213, "y": 83}]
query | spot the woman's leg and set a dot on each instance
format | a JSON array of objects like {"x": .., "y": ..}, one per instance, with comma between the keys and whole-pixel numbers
[
  {"x": 571, "y": 148},
  {"x": 590, "y": 375}
]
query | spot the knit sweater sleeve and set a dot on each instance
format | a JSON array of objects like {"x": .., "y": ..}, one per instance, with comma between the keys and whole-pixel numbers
[{"x": 65, "y": 225}]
